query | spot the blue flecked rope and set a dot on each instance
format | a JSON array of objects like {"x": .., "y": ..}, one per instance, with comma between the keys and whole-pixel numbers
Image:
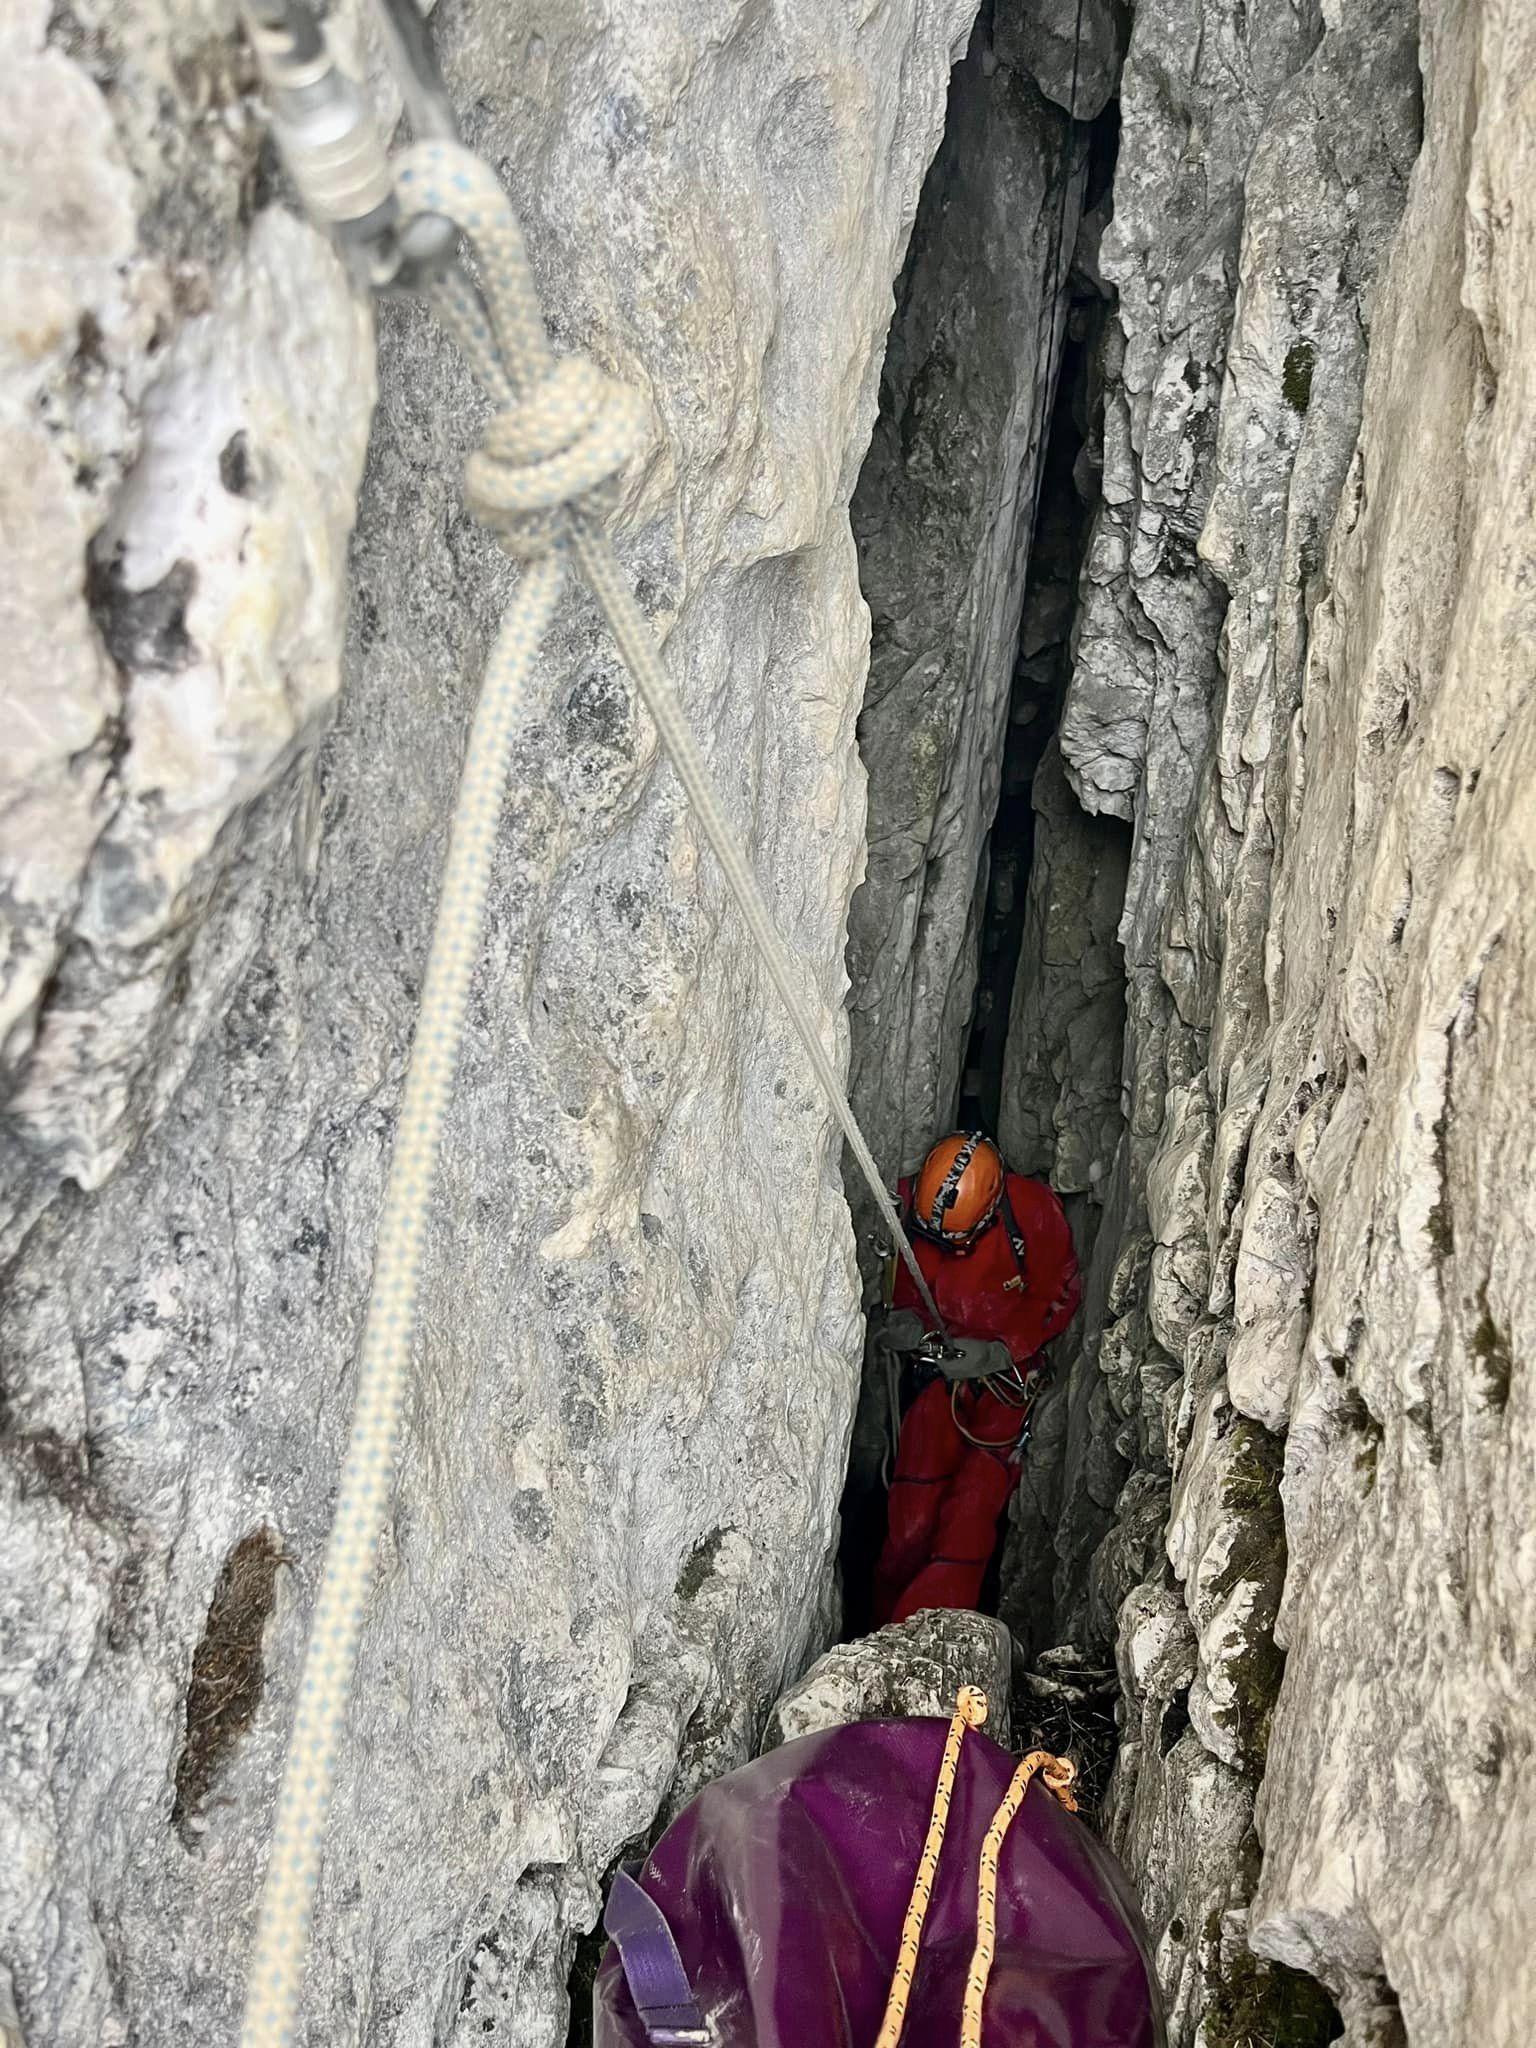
[{"x": 541, "y": 480}]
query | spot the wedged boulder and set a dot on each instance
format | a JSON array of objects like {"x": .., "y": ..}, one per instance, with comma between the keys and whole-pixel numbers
[{"x": 913, "y": 1668}]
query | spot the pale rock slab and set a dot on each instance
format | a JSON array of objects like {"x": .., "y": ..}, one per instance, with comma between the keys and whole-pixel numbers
[
  {"x": 913, "y": 1668},
  {"x": 611, "y": 1537}
]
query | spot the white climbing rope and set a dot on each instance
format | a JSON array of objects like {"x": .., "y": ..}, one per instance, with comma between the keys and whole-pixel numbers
[{"x": 542, "y": 480}]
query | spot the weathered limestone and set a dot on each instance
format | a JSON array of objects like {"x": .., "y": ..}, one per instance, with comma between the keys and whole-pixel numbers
[
  {"x": 1329, "y": 1041},
  {"x": 1401, "y": 1060},
  {"x": 1061, "y": 1115},
  {"x": 942, "y": 516},
  {"x": 222, "y": 832},
  {"x": 912, "y": 1668}
]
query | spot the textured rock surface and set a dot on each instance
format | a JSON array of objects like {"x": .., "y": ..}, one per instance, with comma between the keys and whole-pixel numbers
[
  {"x": 1071, "y": 48},
  {"x": 1330, "y": 1040},
  {"x": 1401, "y": 1059},
  {"x": 1061, "y": 1114},
  {"x": 221, "y": 834},
  {"x": 165, "y": 389},
  {"x": 943, "y": 516},
  {"x": 913, "y": 1668}
]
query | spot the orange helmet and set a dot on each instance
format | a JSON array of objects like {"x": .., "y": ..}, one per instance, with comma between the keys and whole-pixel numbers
[{"x": 958, "y": 1189}]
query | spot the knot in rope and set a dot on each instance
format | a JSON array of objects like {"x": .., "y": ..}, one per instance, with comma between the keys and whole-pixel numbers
[
  {"x": 1058, "y": 1774},
  {"x": 971, "y": 1705},
  {"x": 563, "y": 431},
  {"x": 562, "y": 446}
]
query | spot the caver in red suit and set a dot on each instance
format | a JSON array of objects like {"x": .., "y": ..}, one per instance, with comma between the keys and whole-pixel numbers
[{"x": 996, "y": 1251}]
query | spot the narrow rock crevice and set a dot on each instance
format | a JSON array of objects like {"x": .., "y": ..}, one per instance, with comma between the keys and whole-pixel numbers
[
  {"x": 943, "y": 517},
  {"x": 987, "y": 980}
]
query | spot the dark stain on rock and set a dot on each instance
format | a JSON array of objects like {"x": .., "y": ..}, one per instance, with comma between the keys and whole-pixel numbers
[
  {"x": 236, "y": 472},
  {"x": 1491, "y": 1349},
  {"x": 91, "y": 47},
  {"x": 1439, "y": 1222},
  {"x": 531, "y": 1516},
  {"x": 141, "y": 629},
  {"x": 263, "y": 182},
  {"x": 700, "y": 1565},
  {"x": 49, "y": 1465},
  {"x": 1488, "y": 1756},
  {"x": 1422, "y": 1416},
  {"x": 90, "y": 354},
  {"x": 1296, "y": 376},
  {"x": 310, "y": 1238},
  {"x": 597, "y": 712},
  {"x": 228, "y": 1675},
  {"x": 1175, "y": 1722},
  {"x": 1353, "y": 1414}
]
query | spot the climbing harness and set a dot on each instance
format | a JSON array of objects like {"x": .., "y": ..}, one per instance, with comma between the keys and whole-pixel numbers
[
  {"x": 543, "y": 479},
  {"x": 1058, "y": 1775},
  {"x": 1009, "y": 1388}
]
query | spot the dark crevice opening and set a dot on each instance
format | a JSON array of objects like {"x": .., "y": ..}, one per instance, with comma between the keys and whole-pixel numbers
[
  {"x": 1067, "y": 495},
  {"x": 1068, "y": 499}
]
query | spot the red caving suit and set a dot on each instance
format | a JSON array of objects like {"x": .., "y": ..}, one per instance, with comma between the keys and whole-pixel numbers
[{"x": 947, "y": 1495}]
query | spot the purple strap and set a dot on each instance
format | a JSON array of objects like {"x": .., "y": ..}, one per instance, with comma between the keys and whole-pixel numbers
[{"x": 653, "y": 1969}]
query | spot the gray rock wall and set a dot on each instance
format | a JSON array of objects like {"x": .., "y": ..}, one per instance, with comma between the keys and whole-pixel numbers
[
  {"x": 221, "y": 827},
  {"x": 1319, "y": 1290},
  {"x": 942, "y": 517},
  {"x": 1061, "y": 1116}
]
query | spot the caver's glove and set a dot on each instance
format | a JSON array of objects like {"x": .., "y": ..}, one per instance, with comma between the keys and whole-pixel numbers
[
  {"x": 898, "y": 1329},
  {"x": 971, "y": 1358}
]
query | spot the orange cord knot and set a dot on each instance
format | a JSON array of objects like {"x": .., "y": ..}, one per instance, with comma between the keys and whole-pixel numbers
[
  {"x": 971, "y": 1705},
  {"x": 1058, "y": 1774}
]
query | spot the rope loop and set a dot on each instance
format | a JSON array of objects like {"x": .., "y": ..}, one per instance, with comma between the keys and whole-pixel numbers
[
  {"x": 563, "y": 446},
  {"x": 563, "y": 432}
]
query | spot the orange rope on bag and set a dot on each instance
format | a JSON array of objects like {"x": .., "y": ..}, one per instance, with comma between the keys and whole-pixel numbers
[
  {"x": 970, "y": 1712},
  {"x": 1057, "y": 1773}
]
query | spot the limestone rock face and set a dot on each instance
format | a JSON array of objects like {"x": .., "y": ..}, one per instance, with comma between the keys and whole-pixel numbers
[
  {"x": 1330, "y": 1035},
  {"x": 1061, "y": 1116},
  {"x": 1401, "y": 1056},
  {"x": 943, "y": 515},
  {"x": 910, "y": 1669},
  {"x": 221, "y": 827}
]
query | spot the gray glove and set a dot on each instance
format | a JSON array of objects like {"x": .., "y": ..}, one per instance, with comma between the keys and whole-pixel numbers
[
  {"x": 898, "y": 1329},
  {"x": 972, "y": 1358}
]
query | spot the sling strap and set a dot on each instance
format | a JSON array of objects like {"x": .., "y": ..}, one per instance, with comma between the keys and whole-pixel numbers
[
  {"x": 1015, "y": 1235},
  {"x": 653, "y": 1969}
]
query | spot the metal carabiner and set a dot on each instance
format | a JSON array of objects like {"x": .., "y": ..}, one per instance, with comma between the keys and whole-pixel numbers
[{"x": 330, "y": 141}]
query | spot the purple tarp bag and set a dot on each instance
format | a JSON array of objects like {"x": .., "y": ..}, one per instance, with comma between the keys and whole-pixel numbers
[{"x": 782, "y": 1890}]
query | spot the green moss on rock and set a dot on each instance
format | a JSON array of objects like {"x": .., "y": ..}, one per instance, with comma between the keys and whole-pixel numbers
[{"x": 1254, "y": 2004}]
